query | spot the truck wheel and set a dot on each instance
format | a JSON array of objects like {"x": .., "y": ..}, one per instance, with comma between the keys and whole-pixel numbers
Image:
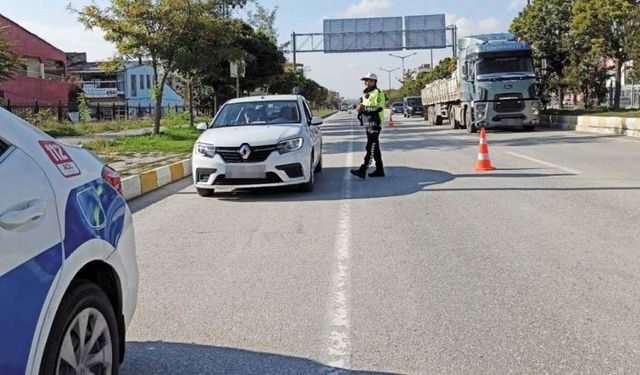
[
  {"x": 528, "y": 128},
  {"x": 452, "y": 120},
  {"x": 471, "y": 128},
  {"x": 438, "y": 120}
]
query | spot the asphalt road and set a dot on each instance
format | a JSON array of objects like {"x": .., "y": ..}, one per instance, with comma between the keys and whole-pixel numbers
[{"x": 531, "y": 268}]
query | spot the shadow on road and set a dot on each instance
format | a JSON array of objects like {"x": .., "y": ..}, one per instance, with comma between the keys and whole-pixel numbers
[
  {"x": 330, "y": 186},
  {"x": 155, "y": 196},
  {"x": 158, "y": 357}
]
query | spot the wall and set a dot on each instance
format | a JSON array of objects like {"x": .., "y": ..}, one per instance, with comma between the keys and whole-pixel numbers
[
  {"x": 143, "y": 95},
  {"x": 27, "y": 90}
]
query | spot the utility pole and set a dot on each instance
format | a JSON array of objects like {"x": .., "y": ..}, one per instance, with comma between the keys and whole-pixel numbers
[
  {"x": 293, "y": 45},
  {"x": 402, "y": 58},
  {"x": 389, "y": 71}
]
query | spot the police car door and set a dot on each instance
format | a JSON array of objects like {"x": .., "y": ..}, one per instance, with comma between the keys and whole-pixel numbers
[{"x": 30, "y": 253}]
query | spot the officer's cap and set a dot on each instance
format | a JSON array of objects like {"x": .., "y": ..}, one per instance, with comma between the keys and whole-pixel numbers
[{"x": 371, "y": 76}]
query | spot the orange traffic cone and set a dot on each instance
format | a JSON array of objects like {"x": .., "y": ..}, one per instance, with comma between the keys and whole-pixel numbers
[
  {"x": 483, "y": 163},
  {"x": 391, "y": 125}
]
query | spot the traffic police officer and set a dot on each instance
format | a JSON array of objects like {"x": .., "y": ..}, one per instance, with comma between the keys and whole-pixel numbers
[{"x": 371, "y": 111}]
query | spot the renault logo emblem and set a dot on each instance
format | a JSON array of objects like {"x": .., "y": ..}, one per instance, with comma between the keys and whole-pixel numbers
[{"x": 245, "y": 151}]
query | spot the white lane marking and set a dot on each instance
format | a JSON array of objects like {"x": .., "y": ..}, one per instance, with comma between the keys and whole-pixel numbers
[
  {"x": 569, "y": 170},
  {"x": 339, "y": 349}
]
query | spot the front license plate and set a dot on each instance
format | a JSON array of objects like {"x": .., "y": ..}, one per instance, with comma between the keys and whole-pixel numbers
[
  {"x": 245, "y": 171},
  {"x": 511, "y": 122}
]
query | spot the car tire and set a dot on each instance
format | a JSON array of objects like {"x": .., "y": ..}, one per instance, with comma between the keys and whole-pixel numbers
[
  {"x": 318, "y": 168},
  {"x": 205, "y": 192},
  {"x": 528, "y": 128},
  {"x": 84, "y": 301},
  {"x": 307, "y": 187}
]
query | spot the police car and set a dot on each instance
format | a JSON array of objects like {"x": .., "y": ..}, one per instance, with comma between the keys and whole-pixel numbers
[{"x": 68, "y": 270}]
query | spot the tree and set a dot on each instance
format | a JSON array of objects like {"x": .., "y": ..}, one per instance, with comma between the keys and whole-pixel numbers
[
  {"x": 264, "y": 64},
  {"x": 412, "y": 87},
  {"x": 157, "y": 30},
  {"x": 608, "y": 28},
  {"x": 8, "y": 60},
  {"x": 587, "y": 74},
  {"x": 546, "y": 24},
  {"x": 208, "y": 46},
  {"x": 263, "y": 21}
]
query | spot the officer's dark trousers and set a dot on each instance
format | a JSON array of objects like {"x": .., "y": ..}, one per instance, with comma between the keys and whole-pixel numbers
[{"x": 373, "y": 148}]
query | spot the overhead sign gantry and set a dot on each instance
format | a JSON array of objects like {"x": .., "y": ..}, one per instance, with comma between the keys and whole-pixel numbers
[{"x": 377, "y": 34}]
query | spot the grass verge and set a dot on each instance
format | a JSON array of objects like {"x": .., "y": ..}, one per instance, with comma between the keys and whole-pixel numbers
[
  {"x": 324, "y": 112},
  {"x": 171, "y": 140},
  {"x": 69, "y": 129}
]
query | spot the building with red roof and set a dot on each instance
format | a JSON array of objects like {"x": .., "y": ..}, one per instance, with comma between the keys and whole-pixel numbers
[{"x": 42, "y": 69}]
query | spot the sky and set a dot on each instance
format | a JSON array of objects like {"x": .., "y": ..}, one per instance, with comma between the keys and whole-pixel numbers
[{"x": 341, "y": 72}]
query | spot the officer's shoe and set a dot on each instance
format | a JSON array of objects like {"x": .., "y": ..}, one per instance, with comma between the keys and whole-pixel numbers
[
  {"x": 379, "y": 172},
  {"x": 360, "y": 172}
]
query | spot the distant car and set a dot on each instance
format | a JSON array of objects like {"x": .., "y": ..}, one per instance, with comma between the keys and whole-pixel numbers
[
  {"x": 413, "y": 106},
  {"x": 344, "y": 108},
  {"x": 258, "y": 142},
  {"x": 68, "y": 270},
  {"x": 397, "y": 107}
]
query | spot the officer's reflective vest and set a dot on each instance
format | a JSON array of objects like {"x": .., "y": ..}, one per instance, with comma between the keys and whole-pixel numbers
[{"x": 375, "y": 98}]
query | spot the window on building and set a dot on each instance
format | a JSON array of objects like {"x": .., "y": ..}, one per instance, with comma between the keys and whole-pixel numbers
[
  {"x": 148, "y": 81},
  {"x": 141, "y": 82},
  {"x": 134, "y": 89}
]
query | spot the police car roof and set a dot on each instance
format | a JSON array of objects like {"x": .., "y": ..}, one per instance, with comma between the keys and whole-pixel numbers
[
  {"x": 18, "y": 131},
  {"x": 264, "y": 98}
]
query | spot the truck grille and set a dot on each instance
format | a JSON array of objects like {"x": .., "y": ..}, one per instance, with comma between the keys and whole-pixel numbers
[
  {"x": 258, "y": 154},
  {"x": 508, "y": 103}
]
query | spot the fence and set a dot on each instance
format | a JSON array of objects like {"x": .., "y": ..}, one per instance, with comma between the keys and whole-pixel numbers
[
  {"x": 630, "y": 97},
  {"x": 97, "y": 112}
]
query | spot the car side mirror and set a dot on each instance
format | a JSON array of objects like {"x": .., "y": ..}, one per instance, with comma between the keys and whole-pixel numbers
[
  {"x": 316, "y": 120},
  {"x": 202, "y": 126}
]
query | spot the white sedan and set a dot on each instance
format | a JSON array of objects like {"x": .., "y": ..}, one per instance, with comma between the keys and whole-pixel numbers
[
  {"x": 68, "y": 270},
  {"x": 258, "y": 142}
]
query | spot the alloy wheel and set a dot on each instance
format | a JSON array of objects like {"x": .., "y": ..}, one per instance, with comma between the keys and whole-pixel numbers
[{"x": 86, "y": 346}]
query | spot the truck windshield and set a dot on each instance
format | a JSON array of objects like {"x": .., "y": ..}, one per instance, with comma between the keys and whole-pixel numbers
[
  {"x": 505, "y": 65},
  {"x": 414, "y": 101}
]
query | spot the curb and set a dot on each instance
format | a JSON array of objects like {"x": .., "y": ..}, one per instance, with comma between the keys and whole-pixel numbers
[
  {"x": 137, "y": 185},
  {"x": 594, "y": 124}
]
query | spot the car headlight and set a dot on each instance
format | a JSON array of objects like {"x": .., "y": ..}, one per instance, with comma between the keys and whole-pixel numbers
[
  {"x": 289, "y": 145},
  {"x": 535, "y": 104},
  {"x": 205, "y": 149},
  {"x": 481, "y": 107},
  {"x": 480, "y": 114}
]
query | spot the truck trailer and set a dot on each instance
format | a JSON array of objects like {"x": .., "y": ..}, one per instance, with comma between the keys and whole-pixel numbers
[{"x": 494, "y": 85}]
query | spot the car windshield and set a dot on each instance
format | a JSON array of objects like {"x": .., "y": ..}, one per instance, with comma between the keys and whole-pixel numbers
[
  {"x": 505, "y": 65},
  {"x": 258, "y": 113},
  {"x": 414, "y": 101},
  {"x": 396, "y": 105}
]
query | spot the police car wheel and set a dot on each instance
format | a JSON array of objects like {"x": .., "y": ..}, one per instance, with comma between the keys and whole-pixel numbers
[
  {"x": 84, "y": 337},
  {"x": 205, "y": 192}
]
